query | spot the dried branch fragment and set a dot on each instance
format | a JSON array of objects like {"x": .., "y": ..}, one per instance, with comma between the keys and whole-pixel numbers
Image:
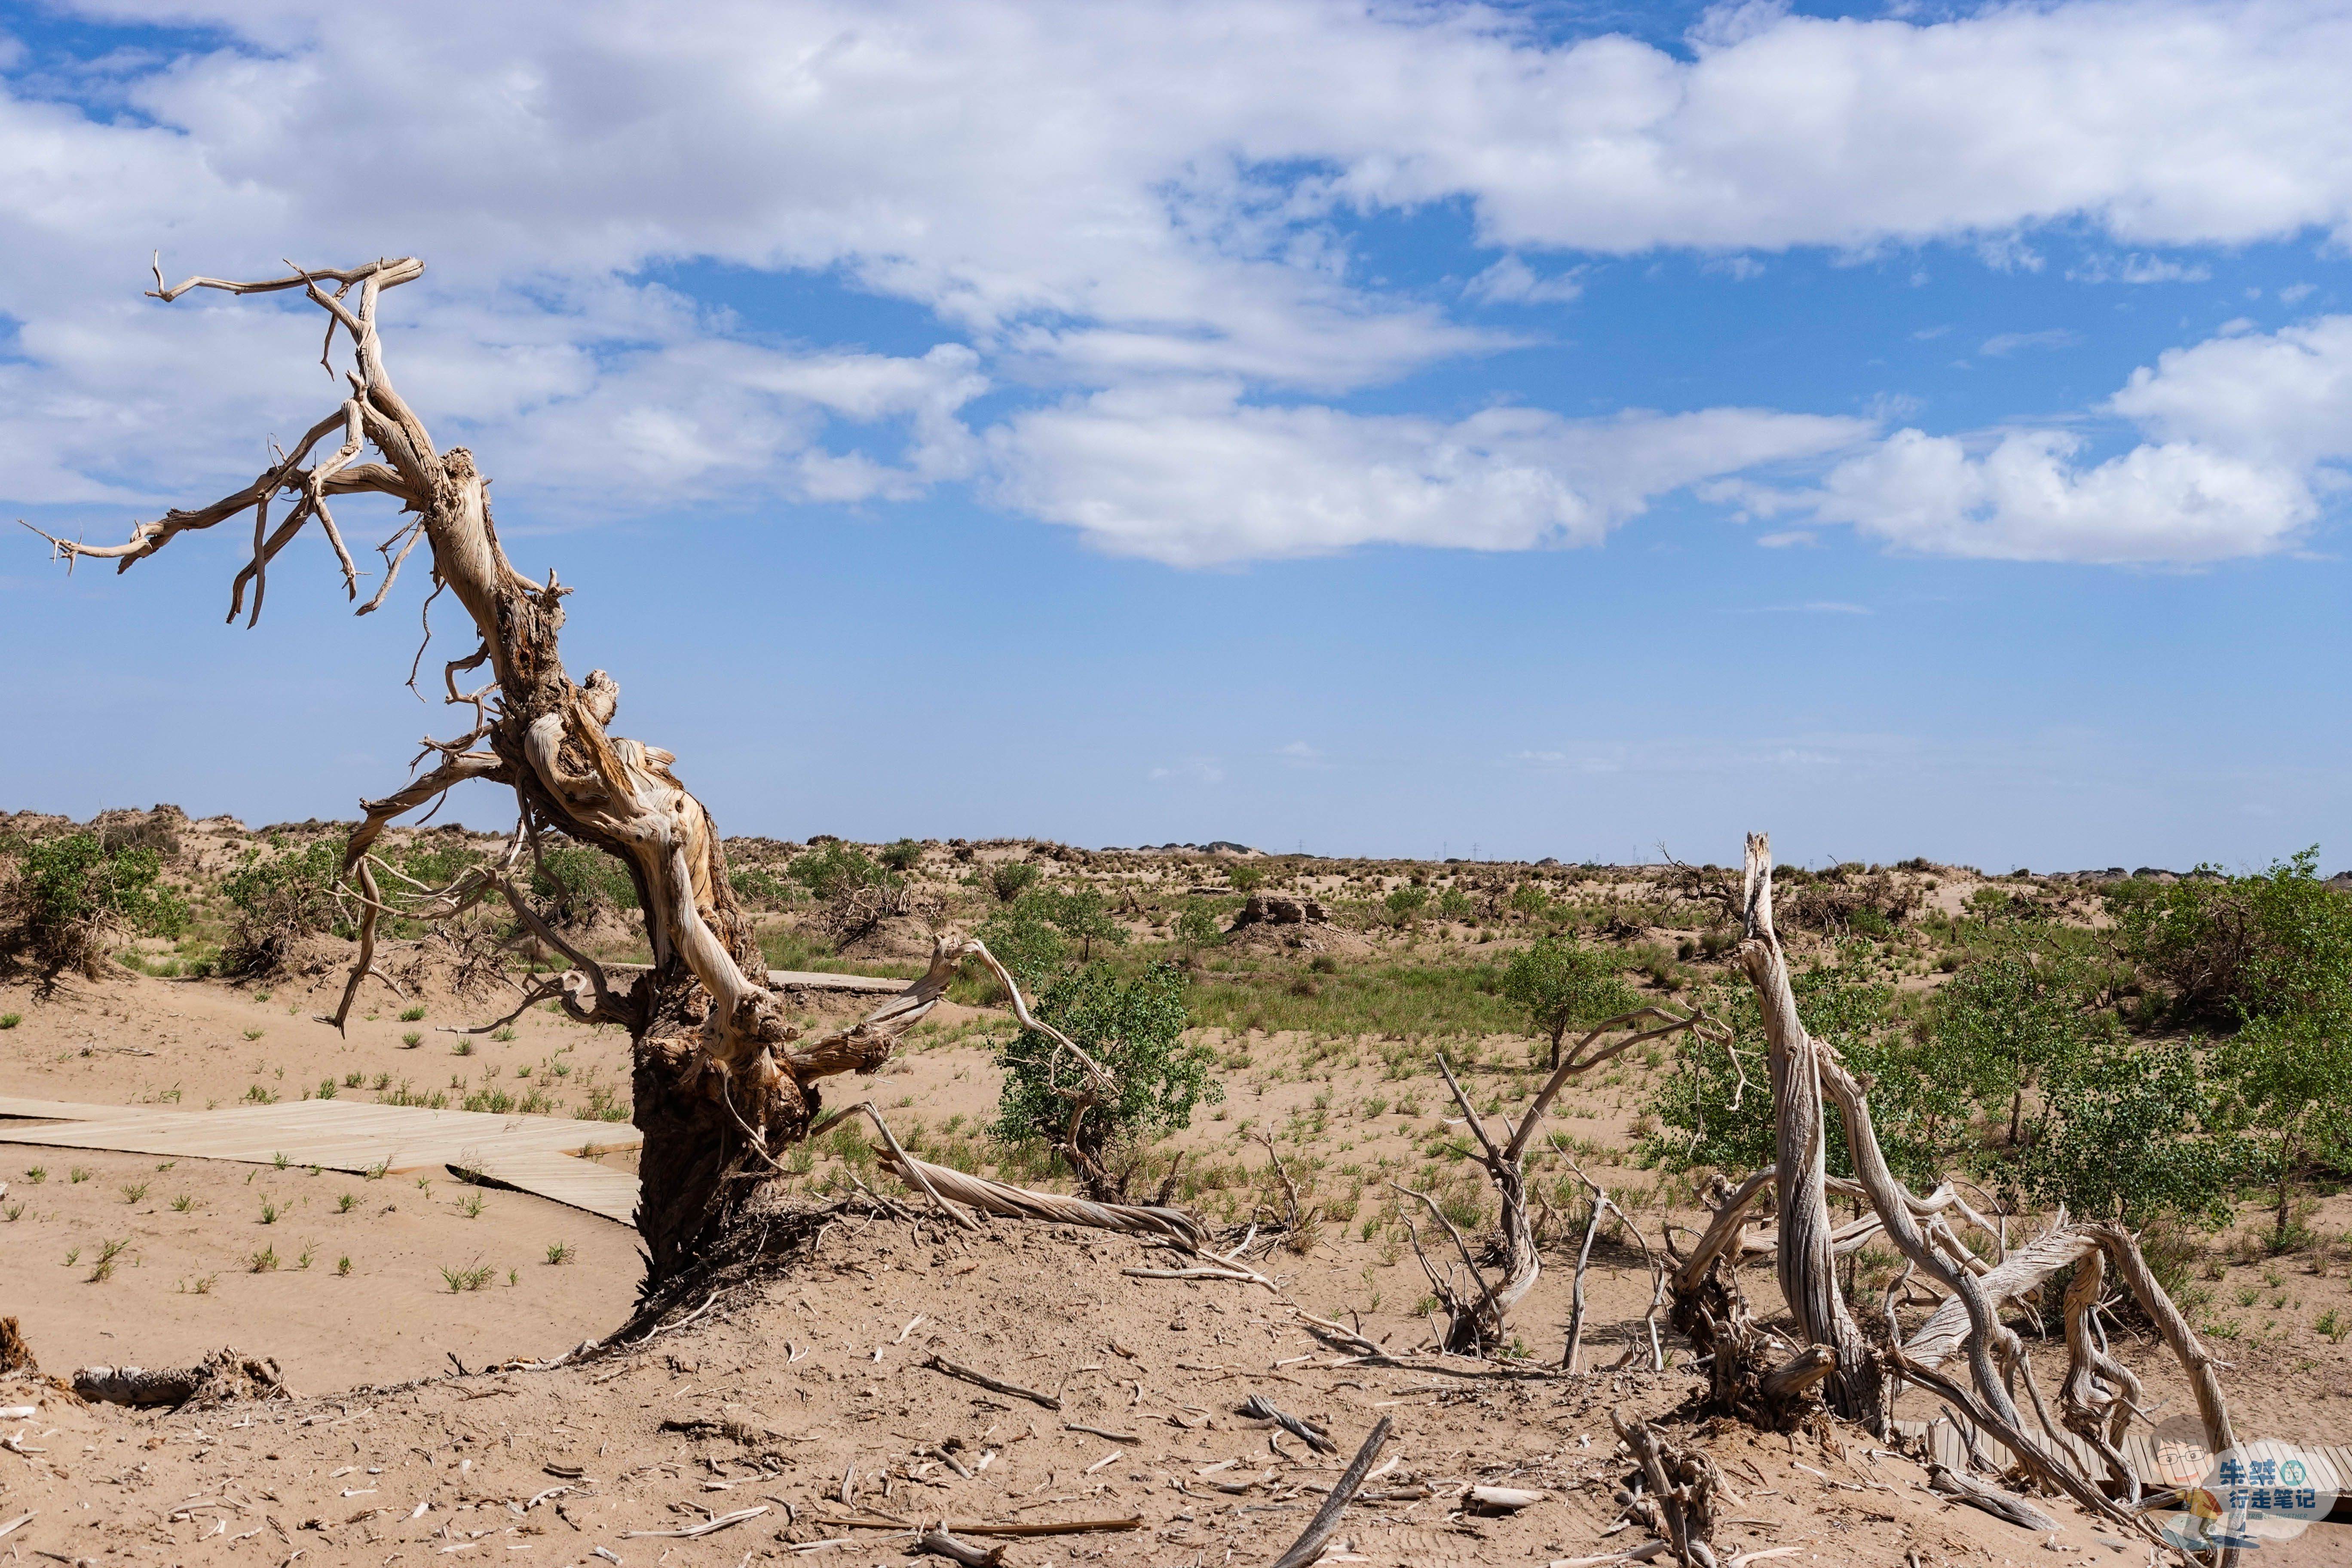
[
  {"x": 1682, "y": 1482},
  {"x": 1309, "y": 1544},
  {"x": 940, "y": 1544},
  {"x": 995, "y": 1384}
]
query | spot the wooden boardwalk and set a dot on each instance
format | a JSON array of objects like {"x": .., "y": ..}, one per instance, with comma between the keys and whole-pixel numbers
[{"x": 533, "y": 1153}]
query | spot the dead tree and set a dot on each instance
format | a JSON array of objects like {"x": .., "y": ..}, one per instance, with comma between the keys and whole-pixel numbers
[
  {"x": 2096, "y": 1394},
  {"x": 720, "y": 1075},
  {"x": 1476, "y": 1315}
]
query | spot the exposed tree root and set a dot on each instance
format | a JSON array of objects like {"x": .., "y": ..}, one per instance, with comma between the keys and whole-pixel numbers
[{"x": 221, "y": 1378}]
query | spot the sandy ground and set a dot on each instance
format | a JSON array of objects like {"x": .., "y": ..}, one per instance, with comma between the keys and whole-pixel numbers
[{"x": 819, "y": 1373}]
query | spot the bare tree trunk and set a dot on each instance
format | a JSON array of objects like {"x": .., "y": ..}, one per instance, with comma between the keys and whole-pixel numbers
[
  {"x": 716, "y": 1086},
  {"x": 1807, "y": 1264}
]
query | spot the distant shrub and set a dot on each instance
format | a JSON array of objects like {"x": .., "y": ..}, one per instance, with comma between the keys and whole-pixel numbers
[
  {"x": 1008, "y": 879},
  {"x": 836, "y": 868},
  {"x": 902, "y": 855},
  {"x": 580, "y": 882},
  {"x": 1195, "y": 927},
  {"x": 278, "y": 897},
  {"x": 1559, "y": 985},
  {"x": 74, "y": 894},
  {"x": 1406, "y": 903},
  {"x": 761, "y": 889},
  {"x": 2233, "y": 948},
  {"x": 1246, "y": 879}
]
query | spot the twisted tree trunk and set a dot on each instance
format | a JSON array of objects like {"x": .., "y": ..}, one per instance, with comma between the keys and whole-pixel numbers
[{"x": 716, "y": 1085}]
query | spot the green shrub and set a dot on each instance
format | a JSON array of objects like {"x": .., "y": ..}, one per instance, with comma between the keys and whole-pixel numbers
[
  {"x": 760, "y": 889},
  {"x": 903, "y": 856},
  {"x": 2289, "y": 1085},
  {"x": 2131, "y": 1131},
  {"x": 1008, "y": 879},
  {"x": 1135, "y": 1030},
  {"x": 279, "y": 896},
  {"x": 1246, "y": 879},
  {"x": 2233, "y": 948},
  {"x": 1195, "y": 927},
  {"x": 1406, "y": 902},
  {"x": 579, "y": 883},
  {"x": 1027, "y": 943},
  {"x": 75, "y": 893},
  {"x": 1561, "y": 984},
  {"x": 2009, "y": 1017},
  {"x": 836, "y": 868}
]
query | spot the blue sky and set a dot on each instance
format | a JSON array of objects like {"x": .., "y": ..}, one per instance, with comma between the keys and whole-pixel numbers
[{"x": 1393, "y": 430}]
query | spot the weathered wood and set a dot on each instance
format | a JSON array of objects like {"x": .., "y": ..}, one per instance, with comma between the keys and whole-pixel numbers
[
  {"x": 1309, "y": 1544},
  {"x": 995, "y": 1384}
]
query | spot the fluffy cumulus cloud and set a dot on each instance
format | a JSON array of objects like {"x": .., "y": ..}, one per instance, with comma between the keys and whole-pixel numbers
[
  {"x": 2247, "y": 432},
  {"x": 1192, "y": 476},
  {"x": 1137, "y": 220}
]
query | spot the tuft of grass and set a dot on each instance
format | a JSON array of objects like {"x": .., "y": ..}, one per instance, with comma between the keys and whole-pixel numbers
[
  {"x": 10, "y": 1020},
  {"x": 343, "y": 1267},
  {"x": 472, "y": 1206},
  {"x": 413, "y": 1014},
  {"x": 514, "y": 1276},
  {"x": 2333, "y": 1324},
  {"x": 201, "y": 1285},
  {"x": 473, "y": 1278},
  {"x": 280, "y": 1160},
  {"x": 346, "y": 1203},
  {"x": 73, "y": 1256},
  {"x": 103, "y": 1269},
  {"x": 462, "y": 1049},
  {"x": 133, "y": 1192},
  {"x": 36, "y": 1174},
  {"x": 15, "y": 1212},
  {"x": 259, "y": 1095},
  {"x": 79, "y": 1175},
  {"x": 262, "y": 1262},
  {"x": 561, "y": 1252},
  {"x": 353, "y": 1079},
  {"x": 326, "y": 1088},
  {"x": 261, "y": 995},
  {"x": 183, "y": 1203},
  {"x": 270, "y": 1213},
  {"x": 503, "y": 1032},
  {"x": 253, "y": 1034},
  {"x": 310, "y": 1251},
  {"x": 375, "y": 1171}
]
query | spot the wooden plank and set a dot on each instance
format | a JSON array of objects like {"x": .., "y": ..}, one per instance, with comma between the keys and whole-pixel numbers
[
  {"x": 861, "y": 985},
  {"x": 578, "y": 1184},
  {"x": 12, "y": 1106},
  {"x": 337, "y": 1134}
]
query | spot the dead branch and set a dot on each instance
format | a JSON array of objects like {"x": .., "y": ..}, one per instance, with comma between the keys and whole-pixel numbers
[
  {"x": 953, "y": 1369},
  {"x": 1683, "y": 1484},
  {"x": 224, "y": 1376},
  {"x": 1309, "y": 1544}
]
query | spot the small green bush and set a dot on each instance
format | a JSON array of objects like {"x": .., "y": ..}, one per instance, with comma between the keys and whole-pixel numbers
[
  {"x": 1561, "y": 984},
  {"x": 1135, "y": 1029},
  {"x": 903, "y": 856},
  {"x": 74, "y": 894},
  {"x": 1008, "y": 879},
  {"x": 579, "y": 883},
  {"x": 279, "y": 896}
]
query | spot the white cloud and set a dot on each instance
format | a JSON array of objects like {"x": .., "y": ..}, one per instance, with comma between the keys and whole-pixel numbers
[
  {"x": 2138, "y": 269},
  {"x": 1511, "y": 281},
  {"x": 2001, "y": 343},
  {"x": 2027, "y": 499},
  {"x": 2244, "y": 434},
  {"x": 1111, "y": 206},
  {"x": 1192, "y": 476}
]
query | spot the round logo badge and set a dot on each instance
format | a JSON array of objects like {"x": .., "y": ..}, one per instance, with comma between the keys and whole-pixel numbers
[{"x": 2257, "y": 1494}]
